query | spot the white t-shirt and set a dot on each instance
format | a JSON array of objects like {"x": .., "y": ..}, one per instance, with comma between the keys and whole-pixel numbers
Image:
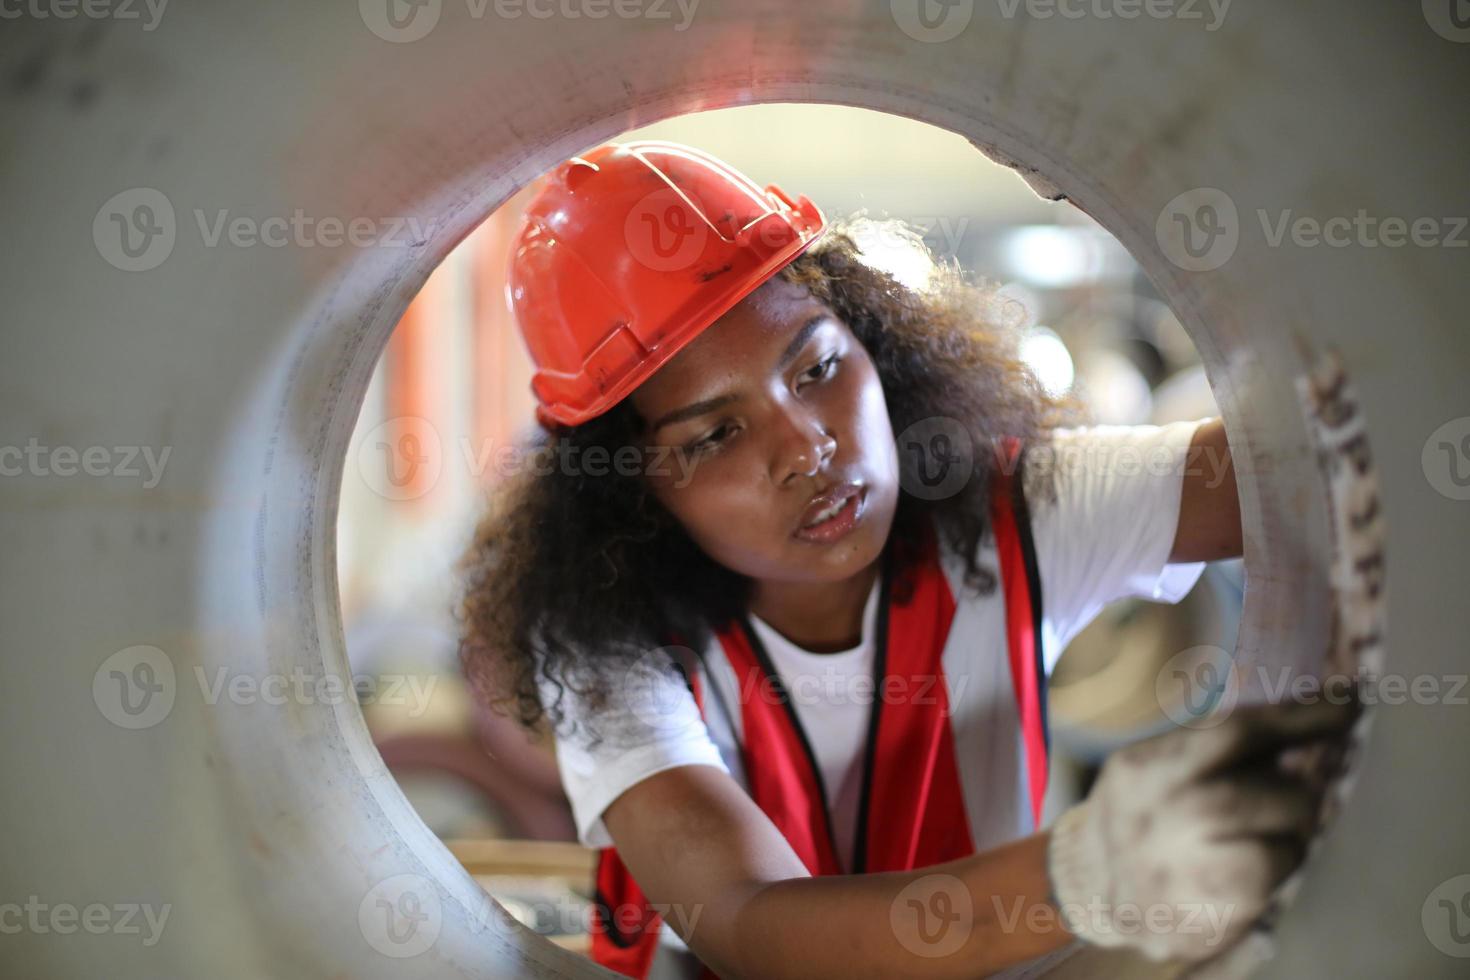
[
  {"x": 1107, "y": 535},
  {"x": 832, "y": 701}
]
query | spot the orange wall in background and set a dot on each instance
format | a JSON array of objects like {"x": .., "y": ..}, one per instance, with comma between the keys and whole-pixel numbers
[
  {"x": 415, "y": 362},
  {"x": 502, "y": 402}
]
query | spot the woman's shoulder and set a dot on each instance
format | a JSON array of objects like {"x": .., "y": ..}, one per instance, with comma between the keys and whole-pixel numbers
[
  {"x": 1069, "y": 463},
  {"x": 1073, "y": 479}
]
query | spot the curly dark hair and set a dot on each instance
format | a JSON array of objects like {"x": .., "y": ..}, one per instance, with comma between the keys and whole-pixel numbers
[{"x": 571, "y": 577}]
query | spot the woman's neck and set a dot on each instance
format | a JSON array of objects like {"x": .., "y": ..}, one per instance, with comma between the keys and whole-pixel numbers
[{"x": 821, "y": 617}]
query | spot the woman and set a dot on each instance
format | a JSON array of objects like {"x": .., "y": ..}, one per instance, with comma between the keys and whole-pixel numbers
[{"x": 790, "y": 593}]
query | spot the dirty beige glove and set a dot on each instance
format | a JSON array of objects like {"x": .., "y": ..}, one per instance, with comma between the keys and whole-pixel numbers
[{"x": 1176, "y": 850}]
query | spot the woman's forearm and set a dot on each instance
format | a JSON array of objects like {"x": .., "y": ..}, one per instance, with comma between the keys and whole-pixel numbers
[
  {"x": 1209, "y": 503},
  {"x": 967, "y": 918}
]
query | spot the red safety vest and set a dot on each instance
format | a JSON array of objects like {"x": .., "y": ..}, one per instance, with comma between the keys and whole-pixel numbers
[{"x": 912, "y": 812}]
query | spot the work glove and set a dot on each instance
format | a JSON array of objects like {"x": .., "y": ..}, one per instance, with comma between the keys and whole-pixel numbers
[{"x": 1178, "y": 847}]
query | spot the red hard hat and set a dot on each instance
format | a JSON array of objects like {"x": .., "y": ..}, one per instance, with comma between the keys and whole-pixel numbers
[{"x": 629, "y": 252}]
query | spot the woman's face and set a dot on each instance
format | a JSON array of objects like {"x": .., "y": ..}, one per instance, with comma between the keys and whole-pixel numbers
[{"x": 772, "y": 405}]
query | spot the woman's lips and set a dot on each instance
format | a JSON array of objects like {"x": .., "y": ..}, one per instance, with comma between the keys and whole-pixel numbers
[
  {"x": 854, "y": 503},
  {"x": 821, "y": 505}
]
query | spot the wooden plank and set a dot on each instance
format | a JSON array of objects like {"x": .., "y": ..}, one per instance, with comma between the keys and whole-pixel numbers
[{"x": 550, "y": 859}]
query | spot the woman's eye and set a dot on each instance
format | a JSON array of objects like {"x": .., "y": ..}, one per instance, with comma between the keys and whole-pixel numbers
[
  {"x": 710, "y": 441},
  {"x": 823, "y": 370}
]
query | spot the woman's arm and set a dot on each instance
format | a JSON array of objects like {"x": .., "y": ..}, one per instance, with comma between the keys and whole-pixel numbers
[
  {"x": 1209, "y": 507},
  {"x": 1174, "y": 853},
  {"x": 746, "y": 906}
]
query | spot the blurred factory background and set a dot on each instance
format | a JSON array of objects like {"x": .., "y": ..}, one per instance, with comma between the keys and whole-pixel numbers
[{"x": 452, "y": 392}]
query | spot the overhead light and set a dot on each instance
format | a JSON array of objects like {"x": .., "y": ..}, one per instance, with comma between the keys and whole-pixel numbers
[
  {"x": 1115, "y": 389},
  {"x": 1052, "y": 256},
  {"x": 1048, "y": 358}
]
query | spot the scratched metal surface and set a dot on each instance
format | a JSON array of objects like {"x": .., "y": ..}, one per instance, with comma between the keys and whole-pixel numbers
[{"x": 267, "y": 830}]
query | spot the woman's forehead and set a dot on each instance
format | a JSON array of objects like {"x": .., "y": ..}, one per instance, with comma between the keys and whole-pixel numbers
[
  {"x": 746, "y": 339},
  {"x": 764, "y": 318},
  {"x": 776, "y": 298}
]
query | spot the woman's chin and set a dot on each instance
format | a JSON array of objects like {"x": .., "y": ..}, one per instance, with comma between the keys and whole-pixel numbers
[{"x": 841, "y": 560}]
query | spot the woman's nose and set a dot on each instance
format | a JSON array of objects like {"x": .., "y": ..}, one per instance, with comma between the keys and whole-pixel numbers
[{"x": 806, "y": 445}]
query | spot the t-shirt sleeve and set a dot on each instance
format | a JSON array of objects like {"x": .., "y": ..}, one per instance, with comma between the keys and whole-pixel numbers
[
  {"x": 1108, "y": 533},
  {"x": 650, "y": 723}
]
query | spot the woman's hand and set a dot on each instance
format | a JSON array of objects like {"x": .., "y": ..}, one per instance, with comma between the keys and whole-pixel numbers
[{"x": 1178, "y": 847}]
